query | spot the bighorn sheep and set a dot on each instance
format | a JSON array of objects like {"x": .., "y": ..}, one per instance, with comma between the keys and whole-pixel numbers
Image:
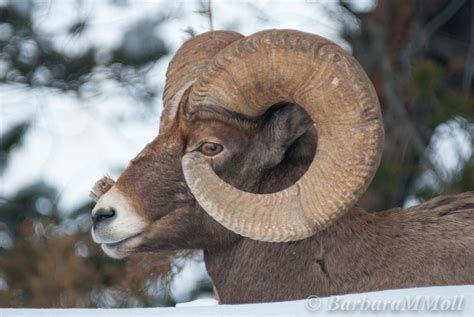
[{"x": 232, "y": 173}]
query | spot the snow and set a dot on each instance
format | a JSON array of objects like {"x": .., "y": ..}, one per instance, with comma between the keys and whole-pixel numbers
[{"x": 435, "y": 299}]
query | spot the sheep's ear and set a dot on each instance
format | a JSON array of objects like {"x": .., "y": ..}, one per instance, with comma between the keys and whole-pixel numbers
[{"x": 285, "y": 123}]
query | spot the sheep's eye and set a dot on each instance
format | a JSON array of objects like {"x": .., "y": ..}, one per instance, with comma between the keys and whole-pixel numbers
[{"x": 210, "y": 149}]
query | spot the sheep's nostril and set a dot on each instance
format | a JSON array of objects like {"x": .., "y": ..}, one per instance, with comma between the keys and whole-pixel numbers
[{"x": 102, "y": 214}]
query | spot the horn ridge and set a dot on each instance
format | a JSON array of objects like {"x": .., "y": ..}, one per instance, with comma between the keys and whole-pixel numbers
[{"x": 181, "y": 73}]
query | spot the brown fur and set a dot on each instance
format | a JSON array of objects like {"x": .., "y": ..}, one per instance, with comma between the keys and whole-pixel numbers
[
  {"x": 431, "y": 244},
  {"x": 361, "y": 252}
]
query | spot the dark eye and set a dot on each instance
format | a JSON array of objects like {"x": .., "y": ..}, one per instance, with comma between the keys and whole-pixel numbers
[{"x": 210, "y": 149}]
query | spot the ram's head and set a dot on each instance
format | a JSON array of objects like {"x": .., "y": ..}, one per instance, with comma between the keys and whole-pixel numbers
[{"x": 238, "y": 155}]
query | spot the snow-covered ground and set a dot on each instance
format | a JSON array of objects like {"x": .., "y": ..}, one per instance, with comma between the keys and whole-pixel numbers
[{"x": 429, "y": 301}]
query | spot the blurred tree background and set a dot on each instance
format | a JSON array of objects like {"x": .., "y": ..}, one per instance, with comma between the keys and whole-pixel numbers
[{"x": 419, "y": 55}]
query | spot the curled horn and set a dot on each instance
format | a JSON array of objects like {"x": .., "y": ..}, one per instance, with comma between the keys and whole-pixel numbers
[{"x": 254, "y": 73}]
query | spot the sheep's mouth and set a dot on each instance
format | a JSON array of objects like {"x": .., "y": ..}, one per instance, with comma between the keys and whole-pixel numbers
[{"x": 122, "y": 248}]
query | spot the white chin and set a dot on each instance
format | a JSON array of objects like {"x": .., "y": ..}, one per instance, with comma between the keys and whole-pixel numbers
[{"x": 122, "y": 249}]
